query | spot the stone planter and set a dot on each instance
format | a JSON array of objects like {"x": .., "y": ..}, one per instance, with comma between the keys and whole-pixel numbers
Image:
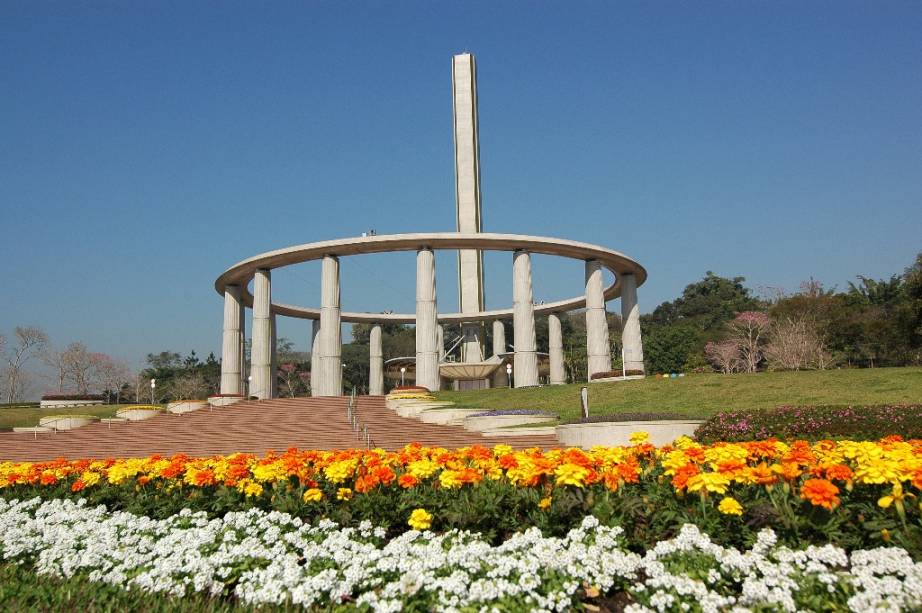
[
  {"x": 618, "y": 433},
  {"x": 491, "y": 422},
  {"x": 612, "y": 379},
  {"x": 223, "y": 401},
  {"x": 445, "y": 417},
  {"x": 66, "y": 422},
  {"x": 186, "y": 406},
  {"x": 139, "y": 413}
]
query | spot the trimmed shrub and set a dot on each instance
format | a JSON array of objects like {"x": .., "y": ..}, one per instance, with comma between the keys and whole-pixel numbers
[
  {"x": 864, "y": 423},
  {"x": 73, "y": 397},
  {"x": 615, "y": 373}
]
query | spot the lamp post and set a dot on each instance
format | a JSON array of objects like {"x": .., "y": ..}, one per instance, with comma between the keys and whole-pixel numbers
[
  {"x": 153, "y": 384},
  {"x": 403, "y": 372},
  {"x": 509, "y": 374},
  {"x": 249, "y": 384}
]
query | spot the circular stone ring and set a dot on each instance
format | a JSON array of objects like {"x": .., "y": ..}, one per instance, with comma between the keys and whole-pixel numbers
[{"x": 242, "y": 273}]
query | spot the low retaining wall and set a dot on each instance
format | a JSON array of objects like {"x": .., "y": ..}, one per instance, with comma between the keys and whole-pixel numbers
[
  {"x": 65, "y": 422},
  {"x": 490, "y": 422},
  {"x": 611, "y": 379},
  {"x": 617, "y": 433},
  {"x": 223, "y": 401},
  {"x": 57, "y": 404}
]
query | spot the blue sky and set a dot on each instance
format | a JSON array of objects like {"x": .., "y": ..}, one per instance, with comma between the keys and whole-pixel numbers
[{"x": 147, "y": 146}]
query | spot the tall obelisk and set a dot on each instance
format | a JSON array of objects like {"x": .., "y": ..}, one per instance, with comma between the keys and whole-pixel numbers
[{"x": 467, "y": 199}]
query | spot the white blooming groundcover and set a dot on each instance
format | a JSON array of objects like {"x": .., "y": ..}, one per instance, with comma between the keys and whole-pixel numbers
[{"x": 274, "y": 558}]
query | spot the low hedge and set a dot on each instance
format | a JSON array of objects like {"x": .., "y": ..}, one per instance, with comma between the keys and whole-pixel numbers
[
  {"x": 615, "y": 373},
  {"x": 864, "y": 423},
  {"x": 631, "y": 416}
]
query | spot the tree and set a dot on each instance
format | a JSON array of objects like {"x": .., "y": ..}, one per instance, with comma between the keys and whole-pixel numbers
[
  {"x": 707, "y": 303},
  {"x": 669, "y": 348},
  {"x": 55, "y": 360},
  {"x": 795, "y": 345},
  {"x": 30, "y": 341},
  {"x": 747, "y": 331},
  {"x": 293, "y": 379},
  {"x": 112, "y": 374},
  {"x": 188, "y": 386},
  {"x": 80, "y": 366},
  {"x": 725, "y": 356}
]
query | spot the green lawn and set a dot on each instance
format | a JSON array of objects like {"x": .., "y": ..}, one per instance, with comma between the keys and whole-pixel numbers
[
  {"x": 703, "y": 395},
  {"x": 15, "y": 418}
]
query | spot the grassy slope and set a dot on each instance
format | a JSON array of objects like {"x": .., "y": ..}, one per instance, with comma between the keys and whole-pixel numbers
[
  {"x": 703, "y": 395},
  {"x": 10, "y": 418}
]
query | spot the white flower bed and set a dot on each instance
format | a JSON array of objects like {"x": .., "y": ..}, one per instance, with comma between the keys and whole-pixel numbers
[{"x": 274, "y": 558}]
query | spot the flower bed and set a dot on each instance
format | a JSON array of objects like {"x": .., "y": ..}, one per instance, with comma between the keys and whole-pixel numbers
[
  {"x": 854, "y": 422},
  {"x": 275, "y": 559},
  {"x": 852, "y": 494}
]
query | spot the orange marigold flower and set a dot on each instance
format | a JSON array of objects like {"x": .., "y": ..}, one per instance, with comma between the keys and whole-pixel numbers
[
  {"x": 821, "y": 493},
  {"x": 143, "y": 479},
  {"x": 762, "y": 475},
  {"x": 612, "y": 481},
  {"x": 839, "y": 472},
  {"x": 407, "y": 481},
  {"x": 48, "y": 478},
  {"x": 683, "y": 474},
  {"x": 77, "y": 486}
]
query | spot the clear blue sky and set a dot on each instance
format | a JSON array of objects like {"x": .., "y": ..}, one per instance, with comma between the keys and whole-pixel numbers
[{"x": 147, "y": 146}]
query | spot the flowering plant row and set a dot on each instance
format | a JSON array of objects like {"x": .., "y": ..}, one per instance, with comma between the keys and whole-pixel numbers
[
  {"x": 853, "y": 494},
  {"x": 273, "y": 558}
]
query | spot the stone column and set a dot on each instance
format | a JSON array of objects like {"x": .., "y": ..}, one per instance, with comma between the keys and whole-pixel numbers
[
  {"x": 274, "y": 361},
  {"x": 376, "y": 362},
  {"x": 440, "y": 341},
  {"x": 230, "y": 346},
  {"x": 523, "y": 322},
  {"x": 630, "y": 324},
  {"x": 427, "y": 350},
  {"x": 261, "y": 351},
  {"x": 241, "y": 351},
  {"x": 331, "y": 341},
  {"x": 555, "y": 349},
  {"x": 500, "y": 378},
  {"x": 598, "y": 350},
  {"x": 315, "y": 355}
]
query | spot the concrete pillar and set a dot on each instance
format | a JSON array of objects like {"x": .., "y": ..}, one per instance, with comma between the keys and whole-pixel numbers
[
  {"x": 331, "y": 341},
  {"x": 315, "y": 355},
  {"x": 261, "y": 351},
  {"x": 598, "y": 349},
  {"x": 555, "y": 349},
  {"x": 500, "y": 378},
  {"x": 230, "y": 346},
  {"x": 630, "y": 322},
  {"x": 427, "y": 350},
  {"x": 440, "y": 341},
  {"x": 274, "y": 361},
  {"x": 241, "y": 351},
  {"x": 376, "y": 362},
  {"x": 523, "y": 322}
]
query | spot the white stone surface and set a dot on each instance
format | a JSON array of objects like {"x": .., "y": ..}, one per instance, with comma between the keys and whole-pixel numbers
[
  {"x": 598, "y": 349},
  {"x": 223, "y": 401},
  {"x": 630, "y": 321},
  {"x": 427, "y": 349},
  {"x": 491, "y": 422},
  {"x": 66, "y": 422},
  {"x": 376, "y": 362},
  {"x": 274, "y": 361},
  {"x": 555, "y": 349},
  {"x": 137, "y": 414},
  {"x": 231, "y": 376},
  {"x": 186, "y": 406},
  {"x": 330, "y": 382},
  {"x": 523, "y": 322},
  {"x": 618, "y": 433},
  {"x": 261, "y": 351},
  {"x": 445, "y": 417}
]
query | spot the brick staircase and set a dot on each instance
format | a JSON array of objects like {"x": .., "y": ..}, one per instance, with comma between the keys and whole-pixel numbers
[{"x": 254, "y": 427}]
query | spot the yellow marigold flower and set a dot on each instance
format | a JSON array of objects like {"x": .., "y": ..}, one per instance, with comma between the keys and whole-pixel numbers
[
  {"x": 501, "y": 450},
  {"x": 544, "y": 503},
  {"x": 313, "y": 495},
  {"x": 90, "y": 478},
  {"x": 420, "y": 519},
  {"x": 709, "y": 482},
  {"x": 639, "y": 437},
  {"x": 729, "y": 506},
  {"x": 249, "y": 487},
  {"x": 274, "y": 471},
  {"x": 422, "y": 469},
  {"x": 896, "y": 496},
  {"x": 450, "y": 479},
  {"x": 343, "y": 493},
  {"x": 337, "y": 472},
  {"x": 571, "y": 474}
]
